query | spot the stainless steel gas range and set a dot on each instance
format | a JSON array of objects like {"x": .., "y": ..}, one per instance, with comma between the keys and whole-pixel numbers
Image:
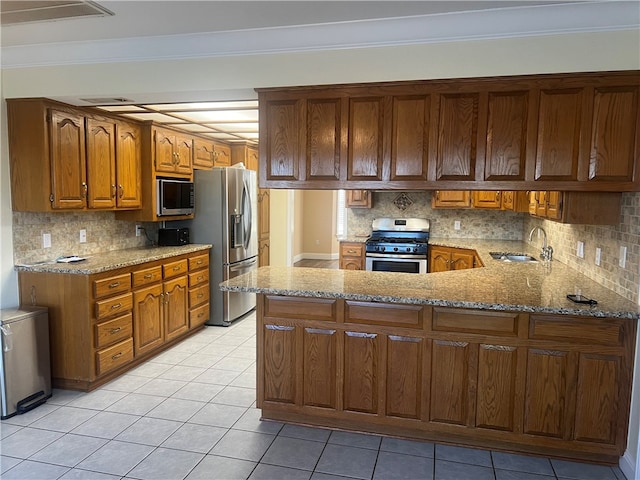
[{"x": 398, "y": 245}]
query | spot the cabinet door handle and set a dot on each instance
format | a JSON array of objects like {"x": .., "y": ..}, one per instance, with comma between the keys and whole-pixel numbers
[
  {"x": 113, "y": 191},
  {"x": 85, "y": 189},
  {"x": 113, "y": 331},
  {"x": 121, "y": 191},
  {"x": 116, "y": 306},
  {"x": 116, "y": 356},
  {"x": 114, "y": 284},
  {"x": 281, "y": 328}
]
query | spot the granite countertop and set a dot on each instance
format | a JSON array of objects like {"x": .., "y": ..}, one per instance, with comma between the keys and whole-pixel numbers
[
  {"x": 528, "y": 287},
  {"x": 105, "y": 261}
]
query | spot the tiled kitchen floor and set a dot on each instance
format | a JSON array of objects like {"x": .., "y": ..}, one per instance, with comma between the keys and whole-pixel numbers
[{"x": 190, "y": 413}]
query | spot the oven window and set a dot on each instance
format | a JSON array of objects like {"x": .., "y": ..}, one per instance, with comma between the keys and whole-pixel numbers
[{"x": 391, "y": 266}]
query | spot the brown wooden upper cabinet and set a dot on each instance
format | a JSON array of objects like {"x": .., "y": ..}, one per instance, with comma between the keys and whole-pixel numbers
[
  {"x": 592, "y": 208},
  {"x": 358, "y": 199},
  {"x": 173, "y": 152},
  {"x": 540, "y": 132},
  {"x": 77, "y": 161}
]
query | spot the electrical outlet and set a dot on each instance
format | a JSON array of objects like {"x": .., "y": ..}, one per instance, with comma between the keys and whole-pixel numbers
[
  {"x": 138, "y": 230},
  {"x": 317, "y": 242},
  {"x": 622, "y": 261},
  {"x": 456, "y": 225},
  {"x": 598, "y": 256},
  {"x": 580, "y": 249},
  {"x": 46, "y": 240},
  {"x": 83, "y": 236}
]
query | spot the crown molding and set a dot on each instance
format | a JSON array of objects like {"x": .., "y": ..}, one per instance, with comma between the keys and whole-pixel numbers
[{"x": 425, "y": 29}]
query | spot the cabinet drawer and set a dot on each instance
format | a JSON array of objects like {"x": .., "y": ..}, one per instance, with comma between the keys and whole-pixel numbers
[
  {"x": 198, "y": 296},
  {"x": 409, "y": 316},
  {"x": 198, "y": 278},
  {"x": 113, "y": 357},
  {"x": 297, "y": 307},
  {"x": 114, "y": 306},
  {"x": 147, "y": 276},
  {"x": 352, "y": 249},
  {"x": 198, "y": 315},
  {"x": 201, "y": 261},
  {"x": 600, "y": 331},
  {"x": 114, "y": 330},
  {"x": 472, "y": 321},
  {"x": 111, "y": 286},
  {"x": 175, "y": 269}
]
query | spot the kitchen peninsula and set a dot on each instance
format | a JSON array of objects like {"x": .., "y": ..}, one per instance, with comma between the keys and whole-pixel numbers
[{"x": 493, "y": 357}]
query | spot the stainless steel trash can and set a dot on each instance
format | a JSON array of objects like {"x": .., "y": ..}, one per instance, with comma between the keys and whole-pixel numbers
[{"x": 25, "y": 369}]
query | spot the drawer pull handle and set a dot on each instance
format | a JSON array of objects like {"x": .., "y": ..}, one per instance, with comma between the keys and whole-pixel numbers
[
  {"x": 114, "y": 284},
  {"x": 117, "y": 305},
  {"x": 116, "y": 356},
  {"x": 175, "y": 269},
  {"x": 351, "y": 251},
  {"x": 113, "y": 331},
  {"x": 200, "y": 295},
  {"x": 200, "y": 278},
  {"x": 199, "y": 262},
  {"x": 148, "y": 276}
]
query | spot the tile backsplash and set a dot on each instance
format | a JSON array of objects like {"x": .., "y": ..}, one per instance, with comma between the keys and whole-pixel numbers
[
  {"x": 564, "y": 238},
  {"x": 474, "y": 223},
  {"x": 104, "y": 233}
]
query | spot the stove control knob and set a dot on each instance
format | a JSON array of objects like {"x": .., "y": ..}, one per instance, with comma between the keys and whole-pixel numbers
[
  {"x": 415, "y": 249},
  {"x": 381, "y": 249},
  {"x": 395, "y": 249},
  {"x": 408, "y": 249}
]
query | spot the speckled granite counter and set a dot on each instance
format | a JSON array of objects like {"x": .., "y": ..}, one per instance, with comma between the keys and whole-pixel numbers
[
  {"x": 536, "y": 287},
  {"x": 102, "y": 262}
]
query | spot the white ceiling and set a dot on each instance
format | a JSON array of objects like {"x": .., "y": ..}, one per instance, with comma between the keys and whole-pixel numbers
[{"x": 152, "y": 30}]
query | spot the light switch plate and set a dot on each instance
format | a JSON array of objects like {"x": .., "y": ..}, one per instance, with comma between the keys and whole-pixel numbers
[
  {"x": 83, "y": 236},
  {"x": 580, "y": 249},
  {"x": 46, "y": 240},
  {"x": 598, "y": 256},
  {"x": 456, "y": 225},
  {"x": 622, "y": 260}
]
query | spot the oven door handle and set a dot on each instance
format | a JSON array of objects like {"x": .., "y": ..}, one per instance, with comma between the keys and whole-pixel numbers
[{"x": 396, "y": 255}]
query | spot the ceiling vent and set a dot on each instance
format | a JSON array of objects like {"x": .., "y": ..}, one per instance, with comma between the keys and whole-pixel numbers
[
  {"x": 30, "y": 11},
  {"x": 106, "y": 100}
]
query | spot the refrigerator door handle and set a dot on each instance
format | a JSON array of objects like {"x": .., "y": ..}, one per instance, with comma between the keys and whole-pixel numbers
[
  {"x": 243, "y": 265},
  {"x": 7, "y": 345},
  {"x": 247, "y": 214}
]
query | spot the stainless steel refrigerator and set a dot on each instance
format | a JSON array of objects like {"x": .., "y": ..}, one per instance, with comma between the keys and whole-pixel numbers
[{"x": 226, "y": 211}]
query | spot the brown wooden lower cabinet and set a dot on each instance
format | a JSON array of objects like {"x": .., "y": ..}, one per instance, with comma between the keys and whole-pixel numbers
[
  {"x": 552, "y": 385},
  {"x": 103, "y": 324}
]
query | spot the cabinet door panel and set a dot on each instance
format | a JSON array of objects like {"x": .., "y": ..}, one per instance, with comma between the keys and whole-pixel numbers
[
  {"x": 68, "y": 160},
  {"x": 319, "y": 374},
  {"x": 101, "y": 164},
  {"x": 461, "y": 260},
  {"x": 614, "y": 142},
  {"x": 496, "y": 387},
  {"x": 203, "y": 154},
  {"x": 360, "y": 372},
  {"x": 176, "y": 311},
  {"x": 165, "y": 147},
  {"x": 545, "y": 395},
  {"x": 451, "y": 199},
  {"x": 450, "y": 385},
  {"x": 559, "y": 128},
  {"x": 439, "y": 259},
  {"x": 506, "y": 136},
  {"x": 491, "y": 199},
  {"x": 323, "y": 138},
  {"x": 404, "y": 376},
  {"x": 128, "y": 166},
  {"x": 410, "y": 138},
  {"x": 184, "y": 152},
  {"x": 279, "y": 364},
  {"x": 282, "y": 144},
  {"x": 366, "y": 117},
  {"x": 457, "y": 137},
  {"x": 597, "y": 412},
  {"x": 148, "y": 331},
  {"x": 264, "y": 212}
]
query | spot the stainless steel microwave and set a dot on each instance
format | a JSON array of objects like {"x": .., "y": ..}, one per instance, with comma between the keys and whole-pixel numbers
[{"x": 174, "y": 197}]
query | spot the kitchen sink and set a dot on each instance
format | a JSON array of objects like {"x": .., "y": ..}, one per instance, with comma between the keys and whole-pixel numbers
[{"x": 513, "y": 257}]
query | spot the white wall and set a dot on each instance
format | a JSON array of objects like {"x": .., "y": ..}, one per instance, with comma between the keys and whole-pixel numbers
[{"x": 230, "y": 76}]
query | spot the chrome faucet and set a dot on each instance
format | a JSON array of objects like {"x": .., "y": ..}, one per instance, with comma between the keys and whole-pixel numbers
[{"x": 547, "y": 251}]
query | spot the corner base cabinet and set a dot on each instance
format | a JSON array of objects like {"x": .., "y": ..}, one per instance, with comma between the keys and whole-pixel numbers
[
  {"x": 103, "y": 324},
  {"x": 543, "y": 384}
]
